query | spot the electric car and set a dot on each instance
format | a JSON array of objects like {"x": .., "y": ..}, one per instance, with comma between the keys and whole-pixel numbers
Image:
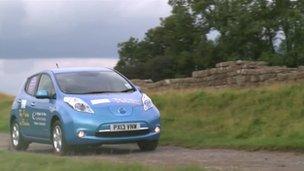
[{"x": 74, "y": 107}]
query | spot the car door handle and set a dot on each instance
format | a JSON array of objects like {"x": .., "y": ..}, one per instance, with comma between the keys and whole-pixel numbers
[{"x": 33, "y": 104}]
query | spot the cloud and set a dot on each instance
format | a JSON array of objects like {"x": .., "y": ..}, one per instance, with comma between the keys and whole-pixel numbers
[
  {"x": 12, "y": 14},
  {"x": 35, "y": 35},
  {"x": 44, "y": 29}
]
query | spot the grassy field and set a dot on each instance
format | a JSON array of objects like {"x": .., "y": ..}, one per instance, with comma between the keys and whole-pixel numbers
[
  {"x": 270, "y": 117},
  {"x": 28, "y": 162},
  {"x": 5, "y": 106}
]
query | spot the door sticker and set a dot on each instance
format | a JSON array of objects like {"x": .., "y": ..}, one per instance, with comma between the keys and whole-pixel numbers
[
  {"x": 23, "y": 115},
  {"x": 39, "y": 118}
]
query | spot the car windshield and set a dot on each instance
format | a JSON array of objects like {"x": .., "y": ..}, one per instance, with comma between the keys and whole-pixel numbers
[{"x": 92, "y": 82}]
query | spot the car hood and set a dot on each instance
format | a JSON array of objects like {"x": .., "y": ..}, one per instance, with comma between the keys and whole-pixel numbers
[{"x": 117, "y": 103}]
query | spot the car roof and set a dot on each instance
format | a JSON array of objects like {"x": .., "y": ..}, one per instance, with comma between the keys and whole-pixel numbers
[{"x": 78, "y": 69}]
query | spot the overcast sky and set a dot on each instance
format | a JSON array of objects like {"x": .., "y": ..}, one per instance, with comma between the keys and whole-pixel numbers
[
  {"x": 34, "y": 35},
  {"x": 87, "y": 28}
]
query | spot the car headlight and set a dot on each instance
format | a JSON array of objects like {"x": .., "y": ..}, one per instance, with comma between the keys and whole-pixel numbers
[
  {"x": 78, "y": 104},
  {"x": 147, "y": 102}
]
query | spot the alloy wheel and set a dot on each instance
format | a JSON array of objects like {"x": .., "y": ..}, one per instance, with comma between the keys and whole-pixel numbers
[
  {"x": 15, "y": 134},
  {"x": 57, "y": 138}
]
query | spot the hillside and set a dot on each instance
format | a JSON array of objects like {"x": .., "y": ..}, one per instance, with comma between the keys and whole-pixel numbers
[{"x": 268, "y": 117}]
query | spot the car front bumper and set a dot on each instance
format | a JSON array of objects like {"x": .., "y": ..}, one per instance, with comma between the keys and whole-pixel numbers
[
  {"x": 93, "y": 134},
  {"x": 114, "y": 140},
  {"x": 91, "y": 125}
]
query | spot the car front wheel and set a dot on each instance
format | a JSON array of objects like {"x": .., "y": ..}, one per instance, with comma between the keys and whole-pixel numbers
[
  {"x": 148, "y": 145},
  {"x": 59, "y": 145},
  {"x": 17, "y": 140}
]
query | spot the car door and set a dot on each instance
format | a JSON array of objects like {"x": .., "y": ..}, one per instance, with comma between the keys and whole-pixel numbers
[
  {"x": 43, "y": 108},
  {"x": 25, "y": 101}
]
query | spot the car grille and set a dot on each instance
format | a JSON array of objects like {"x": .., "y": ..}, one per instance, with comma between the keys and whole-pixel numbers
[{"x": 122, "y": 133}]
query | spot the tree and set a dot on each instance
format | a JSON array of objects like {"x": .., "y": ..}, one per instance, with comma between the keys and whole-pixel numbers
[
  {"x": 168, "y": 48},
  {"x": 248, "y": 30}
]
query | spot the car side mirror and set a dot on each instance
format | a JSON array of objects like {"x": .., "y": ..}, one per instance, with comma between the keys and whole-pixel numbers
[{"x": 42, "y": 94}]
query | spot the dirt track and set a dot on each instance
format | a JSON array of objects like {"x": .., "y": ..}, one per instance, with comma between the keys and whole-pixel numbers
[{"x": 218, "y": 159}]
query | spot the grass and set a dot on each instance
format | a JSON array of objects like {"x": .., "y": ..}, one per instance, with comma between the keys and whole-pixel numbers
[
  {"x": 5, "y": 106},
  {"x": 12, "y": 161},
  {"x": 269, "y": 117}
]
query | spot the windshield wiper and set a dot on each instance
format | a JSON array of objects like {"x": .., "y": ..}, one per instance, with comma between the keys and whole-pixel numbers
[
  {"x": 128, "y": 90},
  {"x": 99, "y": 92}
]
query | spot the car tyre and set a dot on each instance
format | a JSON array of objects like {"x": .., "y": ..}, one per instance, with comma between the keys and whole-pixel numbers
[
  {"x": 148, "y": 145},
  {"x": 58, "y": 141},
  {"x": 17, "y": 141}
]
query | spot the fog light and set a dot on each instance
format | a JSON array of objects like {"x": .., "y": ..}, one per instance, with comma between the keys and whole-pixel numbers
[
  {"x": 81, "y": 134},
  {"x": 157, "y": 129}
]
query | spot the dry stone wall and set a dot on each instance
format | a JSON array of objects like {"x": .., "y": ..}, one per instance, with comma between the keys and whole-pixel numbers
[{"x": 230, "y": 74}]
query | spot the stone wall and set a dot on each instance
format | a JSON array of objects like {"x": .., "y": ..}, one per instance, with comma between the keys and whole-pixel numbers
[{"x": 230, "y": 74}]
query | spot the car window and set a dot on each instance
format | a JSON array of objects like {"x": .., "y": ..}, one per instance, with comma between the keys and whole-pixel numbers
[
  {"x": 31, "y": 85},
  {"x": 46, "y": 84}
]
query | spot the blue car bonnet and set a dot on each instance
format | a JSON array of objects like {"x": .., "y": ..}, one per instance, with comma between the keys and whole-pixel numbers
[{"x": 120, "y": 104}]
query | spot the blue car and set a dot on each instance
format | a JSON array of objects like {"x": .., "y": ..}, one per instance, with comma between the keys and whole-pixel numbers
[{"x": 75, "y": 107}]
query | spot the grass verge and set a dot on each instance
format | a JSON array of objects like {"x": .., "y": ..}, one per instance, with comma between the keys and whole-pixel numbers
[{"x": 17, "y": 161}]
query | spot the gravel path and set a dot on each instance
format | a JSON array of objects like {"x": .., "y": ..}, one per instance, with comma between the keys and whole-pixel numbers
[{"x": 218, "y": 159}]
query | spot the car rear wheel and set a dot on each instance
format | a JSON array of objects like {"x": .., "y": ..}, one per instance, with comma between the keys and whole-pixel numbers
[
  {"x": 148, "y": 145},
  {"x": 17, "y": 140},
  {"x": 59, "y": 145}
]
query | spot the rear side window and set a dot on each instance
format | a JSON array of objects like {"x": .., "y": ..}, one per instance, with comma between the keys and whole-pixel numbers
[{"x": 31, "y": 85}]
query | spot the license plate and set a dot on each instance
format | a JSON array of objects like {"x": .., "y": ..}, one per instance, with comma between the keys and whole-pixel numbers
[{"x": 124, "y": 127}]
